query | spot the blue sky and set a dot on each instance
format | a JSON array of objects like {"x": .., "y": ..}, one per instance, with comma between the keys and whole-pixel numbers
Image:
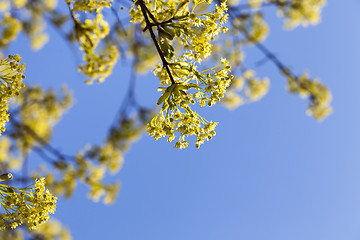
[{"x": 270, "y": 173}]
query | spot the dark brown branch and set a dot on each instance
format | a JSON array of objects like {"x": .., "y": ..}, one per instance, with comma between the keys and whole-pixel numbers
[
  {"x": 157, "y": 24},
  {"x": 153, "y": 37},
  {"x": 150, "y": 14},
  {"x": 285, "y": 70}
]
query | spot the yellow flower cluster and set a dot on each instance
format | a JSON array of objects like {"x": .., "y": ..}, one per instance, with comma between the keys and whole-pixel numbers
[
  {"x": 89, "y": 5},
  {"x": 92, "y": 174},
  {"x": 256, "y": 89},
  {"x": 320, "y": 96},
  {"x": 91, "y": 165},
  {"x": 208, "y": 87},
  {"x": 30, "y": 19},
  {"x": 185, "y": 85},
  {"x": 146, "y": 58},
  {"x": 11, "y": 234},
  {"x": 84, "y": 170},
  {"x": 35, "y": 26},
  {"x": 7, "y": 158},
  {"x": 48, "y": 5},
  {"x": 231, "y": 50},
  {"x": 253, "y": 25},
  {"x": 31, "y": 205},
  {"x": 39, "y": 111},
  {"x": 255, "y": 3},
  {"x": 99, "y": 58},
  {"x": 110, "y": 155},
  {"x": 35, "y": 30},
  {"x": 193, "y": 30},
  {"x": 51, "y": 230},
  {"x": 204, "y": 28},
  {"x": 91, "y": 32},
  {"x": 302, "y": 12},
  {"x": 259, "y": 29},
  {"x": 11, "y": 77},
  {"x": 251, "y": 89},
  {"x": 20, "y": 3},
  {"x": 98, "y": 63},
  {"x": 11, "y": 28}
]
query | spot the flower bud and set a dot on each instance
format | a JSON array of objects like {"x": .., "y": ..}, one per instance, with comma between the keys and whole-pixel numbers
[{"x": 5, "y": 177}]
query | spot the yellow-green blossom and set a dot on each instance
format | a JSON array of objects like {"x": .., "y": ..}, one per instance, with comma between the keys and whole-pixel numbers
[
  {"x": 300, "y": 12},
  {"x": 206, "y": 87},
  {"x": 90, "y": 5},
  {"x": 30, "y": 205},
  {"x": 245, "y": 89},
  {"x": 11, "y": 77},
  {"x": 320, "y": 96}
]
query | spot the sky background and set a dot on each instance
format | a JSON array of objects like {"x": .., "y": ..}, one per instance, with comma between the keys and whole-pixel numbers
[{"x": 271, "y": 172}]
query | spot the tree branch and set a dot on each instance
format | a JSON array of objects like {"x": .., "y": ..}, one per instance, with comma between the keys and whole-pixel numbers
[
  {"x": 267, "y": 53},
  {"x": 149, "y": 26}
]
